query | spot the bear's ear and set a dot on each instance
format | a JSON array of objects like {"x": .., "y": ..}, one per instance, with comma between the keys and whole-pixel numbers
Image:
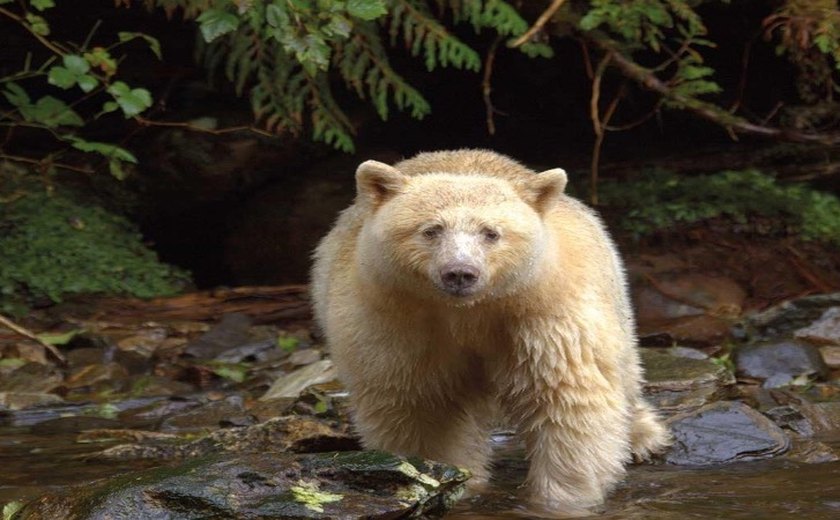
[
  {"x": 377, "y": 182},
  {"x": 544, "y": 187}
]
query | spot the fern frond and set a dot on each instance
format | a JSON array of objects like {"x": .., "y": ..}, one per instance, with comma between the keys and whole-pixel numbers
[
  {"x": 363, "y": 64},
  {"x": 422, "y": 33}
]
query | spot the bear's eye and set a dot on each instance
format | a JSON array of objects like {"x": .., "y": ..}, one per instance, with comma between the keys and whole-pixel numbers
[
  {"x": 490, "y": 235},
  {"x": 433, "y": 232}
]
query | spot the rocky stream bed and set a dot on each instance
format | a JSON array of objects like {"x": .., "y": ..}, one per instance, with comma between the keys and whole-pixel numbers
[{"x": 164, "y": 417}]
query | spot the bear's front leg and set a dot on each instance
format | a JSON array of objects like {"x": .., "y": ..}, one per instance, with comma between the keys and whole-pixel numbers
[{"x": 571, "y": 408}]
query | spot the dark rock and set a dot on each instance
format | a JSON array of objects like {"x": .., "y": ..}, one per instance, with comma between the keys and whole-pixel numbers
[
  {"x": 289, "y": 433},
  {"x": 789, "y": 316},
  {"x": 810, "y": 451},
  {"x": 676, "y": 384},
  {"x": 208, "y": 416},
  {"x": 792, "y": 418},
  {"x": 824, "y": 331},
  {"x": 267, "y": 486},
  {"x": 724, "y": 432},
  {"x": 31, "y": 378},
  {"x": 23, "y": 400},
  {"x": 231, "y": 332},
  {"x": 255, "y": 351},
  {"x": 782, "y": 361}
]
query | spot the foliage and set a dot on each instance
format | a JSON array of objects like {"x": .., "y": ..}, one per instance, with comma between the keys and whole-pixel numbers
[
  {"x": 55, "y": 244},
  {"x": 84, "y": 81},
  {"x": 280, "y": 53},
  {"x": 808, "y": 33},
  {"x": 663, "y": 200}
]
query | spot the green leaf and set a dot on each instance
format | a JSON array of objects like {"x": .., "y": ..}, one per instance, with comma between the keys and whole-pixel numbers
[
  {"x": 276, "y": 16},
  {"x": 76, "y": 64},
  {"x": 109, "y": 106},
  {"x": 153, "y": 43},
  {"x": 42, "y": 4},
  {"x": 115, "y": 166},
  {"x": 215, "y": 23},
  {"x": 52, "y": 112},
  {"x": 87, "y": 82},
  {"x": 38, "y": 24},
  {"x": 288, "y": 343},
  {"x": 235, "y": 373},
  {"x": 16, "y": 95},
  {"x": 106, "y": 149},
  {"x": 59, "y": 339},
  {"x": 10, "y": 509},
  {"x": 366, "y": 9},
  {"x": 131, "y": 101},
  {"x": 61, "y": 77}
]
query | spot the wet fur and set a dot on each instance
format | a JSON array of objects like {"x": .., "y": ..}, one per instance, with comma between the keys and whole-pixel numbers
[{"x": 548, "y": 341}]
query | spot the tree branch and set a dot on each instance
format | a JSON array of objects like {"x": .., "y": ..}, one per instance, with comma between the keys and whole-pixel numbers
[
  {"x": 706, "y": 110},
  {"x": 539, "y": 24}
]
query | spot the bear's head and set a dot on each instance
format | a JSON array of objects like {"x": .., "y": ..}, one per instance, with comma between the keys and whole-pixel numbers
[{"x": 460, "y": 238}]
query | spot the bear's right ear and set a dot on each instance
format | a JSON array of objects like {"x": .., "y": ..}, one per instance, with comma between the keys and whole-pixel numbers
[{"x": 377, "y": 182}]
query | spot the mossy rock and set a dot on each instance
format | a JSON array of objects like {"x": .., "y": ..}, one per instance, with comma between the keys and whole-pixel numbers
[{"x": 343, "y": 485}]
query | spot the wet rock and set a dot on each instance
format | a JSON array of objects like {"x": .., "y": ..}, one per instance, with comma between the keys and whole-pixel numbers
[
  {"x": 31, "y": 378},
  {"x": 686, "y": 352},
  {"x": 144, "y": 342},
  {"x": 212, "y": 415},
  {"x": 98, "y": 375},
  {"x": 23, "y": 401},
  {"x": 232, "y": 331},
  {"x": 831, "y": 356},
  {"x": 824, "y": 331},
  {"x": 789, "y": 316},
  {"x": 293, "y": 383},
  {"x": 791, "y": 418},
  {"x": 782, "y": 361},
  {"x": 149, "y": 385},
  {"x": 724, "y": 432},
  {"x": 254, "y": 351},
  {"x": 74, "y": 424},
  {"x": 810, "y": 451},
  {"x": 305, "y": 356},
  {"x": 687, "y": 308},
  {"x": 676, "y": 384},
  {"x": 282, "y": 434},
  {"x": 351, "y": 485}
]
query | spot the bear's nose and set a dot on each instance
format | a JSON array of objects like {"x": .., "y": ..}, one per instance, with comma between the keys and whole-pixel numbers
[{"x": 458, "y": 277}]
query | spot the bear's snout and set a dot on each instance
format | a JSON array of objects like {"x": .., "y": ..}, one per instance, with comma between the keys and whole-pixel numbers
[{"x": 458, "y": 278}]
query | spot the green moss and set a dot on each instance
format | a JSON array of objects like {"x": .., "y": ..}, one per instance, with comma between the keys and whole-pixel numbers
[
  {"x": 307, "y": 493},
  {"x": 57, "y": 244},
  {"x": 663, "y": 200}
]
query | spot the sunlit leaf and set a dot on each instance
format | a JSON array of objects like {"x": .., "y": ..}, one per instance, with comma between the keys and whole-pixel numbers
[
  {"x": 59, "y": 339},
  {"x": 366, "y": 9},
  {"x": 42, "y": 4},
  {"x": 215, "y": 23},
  {"x": 153, "y": 43}
]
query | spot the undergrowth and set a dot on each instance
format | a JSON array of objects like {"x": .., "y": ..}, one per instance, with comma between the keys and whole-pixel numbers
[
  {"x": 54, "y": 244},
  {"x": 661, "y": 200}
]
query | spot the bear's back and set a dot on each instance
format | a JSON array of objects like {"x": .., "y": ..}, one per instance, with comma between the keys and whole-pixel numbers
[{"x": 465, "y": 162}]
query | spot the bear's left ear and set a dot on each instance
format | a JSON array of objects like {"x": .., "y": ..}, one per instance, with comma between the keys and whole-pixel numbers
[
  {"x": 377, "y": 182},
  {"x": 544, "y": 187}
]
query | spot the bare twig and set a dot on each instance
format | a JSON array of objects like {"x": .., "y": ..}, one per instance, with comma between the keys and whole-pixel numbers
[
  {"x": 487, "y": 87},
  {"x": 142, "y": 121},
  {"x": 539, "y": 24},
  {"x": 704, "y": 109},
  {"x": 29, "y": 160},
  {"x": 14, "y": 327},
  {"x": 597, "y": 125}
]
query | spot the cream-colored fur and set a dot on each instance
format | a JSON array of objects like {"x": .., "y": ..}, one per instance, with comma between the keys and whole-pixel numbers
[{"x": 544, "y": 333}]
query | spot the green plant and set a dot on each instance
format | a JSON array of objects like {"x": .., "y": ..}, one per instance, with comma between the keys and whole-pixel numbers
[
  {"x": 662, "y": 200},
  {"x": 281, "y": 53},
  {"x": 56, "y": 244}
]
